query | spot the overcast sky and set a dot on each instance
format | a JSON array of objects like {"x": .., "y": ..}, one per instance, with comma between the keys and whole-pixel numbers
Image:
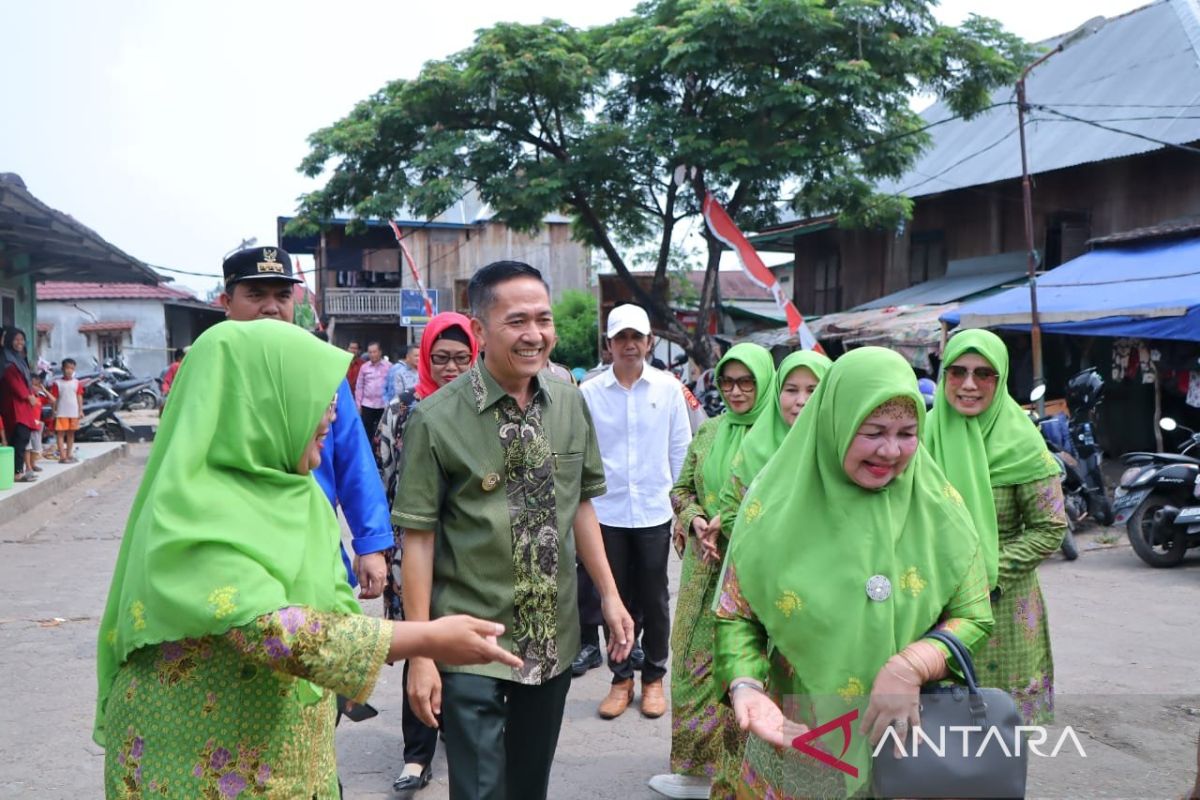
[{"x": 175, "y": 129}]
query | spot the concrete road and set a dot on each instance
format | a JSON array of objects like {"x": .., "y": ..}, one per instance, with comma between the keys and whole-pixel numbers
[{"x": 1126, "y": 645}]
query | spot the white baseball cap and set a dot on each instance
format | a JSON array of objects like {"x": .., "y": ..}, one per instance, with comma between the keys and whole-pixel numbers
[{"x": 628, "y": 316}]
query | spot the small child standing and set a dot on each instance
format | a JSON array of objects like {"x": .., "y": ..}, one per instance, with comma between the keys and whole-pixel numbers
[
  {"x": 34, "y": 451},
  {"x": 68, "y": 393}
]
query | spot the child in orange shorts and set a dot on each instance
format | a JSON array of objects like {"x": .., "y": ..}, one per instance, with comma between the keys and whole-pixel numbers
[{"x": 68, "y": 408}]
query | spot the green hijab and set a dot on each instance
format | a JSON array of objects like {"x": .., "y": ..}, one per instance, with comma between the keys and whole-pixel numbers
[
  {"x": 1000, "y": 447},
  {"x": 732, "y": 427},
  {"x": 808, "y": 539},
  {"x": 769, "y": 432},
  {"x": 223, "y": 529}
]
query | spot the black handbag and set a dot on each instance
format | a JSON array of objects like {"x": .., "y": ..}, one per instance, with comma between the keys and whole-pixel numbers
[{"x": 967, "y": 746}]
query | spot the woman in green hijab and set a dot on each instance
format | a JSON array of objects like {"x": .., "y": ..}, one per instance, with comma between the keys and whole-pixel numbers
[
  {"x": 795, "y": 380},
  {"x": 998, "y": 461},
  {"x": 705, "y": 742},
  {"x": 849, "y": 547},
  {"x": 229, "y": 624}
]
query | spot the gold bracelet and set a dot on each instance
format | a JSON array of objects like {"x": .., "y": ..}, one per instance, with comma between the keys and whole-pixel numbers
[{"x": 920, "y": 673}]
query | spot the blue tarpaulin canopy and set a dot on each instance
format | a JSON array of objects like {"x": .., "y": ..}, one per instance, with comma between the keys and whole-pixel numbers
[{"x": 1146, "y": 292}]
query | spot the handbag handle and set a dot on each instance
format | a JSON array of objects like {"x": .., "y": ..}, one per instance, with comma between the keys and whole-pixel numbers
[{"x": 963, "y": 656}]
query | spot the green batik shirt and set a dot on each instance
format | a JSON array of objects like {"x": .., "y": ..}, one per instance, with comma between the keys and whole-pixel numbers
[{"x": 500, "y": 487}]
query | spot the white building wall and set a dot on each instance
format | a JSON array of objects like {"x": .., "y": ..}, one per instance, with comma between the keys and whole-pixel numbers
[{"x": 144, "y": 347}]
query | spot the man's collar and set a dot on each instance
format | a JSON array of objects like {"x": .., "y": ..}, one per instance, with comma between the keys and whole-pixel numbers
[
  {"x": 488, "y": 392},
  {"x": 609, "y": 376}
]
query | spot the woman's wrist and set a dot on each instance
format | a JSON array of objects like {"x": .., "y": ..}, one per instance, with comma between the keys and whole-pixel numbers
[{"x": 745, "y": 683}]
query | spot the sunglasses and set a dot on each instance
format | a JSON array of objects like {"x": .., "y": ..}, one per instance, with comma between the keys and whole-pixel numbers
[
  {"x": 442, "y": 359},
  {"x": 745, "y": 383},
  {"x": 980, "y": 374}
]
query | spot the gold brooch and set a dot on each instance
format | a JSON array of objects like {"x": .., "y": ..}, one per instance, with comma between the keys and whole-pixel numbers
[{"x": 491, "y": 481}]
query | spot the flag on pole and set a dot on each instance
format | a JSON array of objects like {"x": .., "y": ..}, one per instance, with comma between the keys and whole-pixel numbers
[
  {"x": 412, "y": 265},
  {"x": 723, "y": 227}
]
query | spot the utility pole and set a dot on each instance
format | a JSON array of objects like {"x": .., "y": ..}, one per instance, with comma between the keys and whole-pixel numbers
[{"x": 1035, "y": 328}]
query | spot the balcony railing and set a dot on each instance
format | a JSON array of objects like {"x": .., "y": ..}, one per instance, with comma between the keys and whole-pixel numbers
[{"x": 363, "y": 302}]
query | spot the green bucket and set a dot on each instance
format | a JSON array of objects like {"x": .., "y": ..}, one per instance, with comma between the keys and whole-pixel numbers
[{"x": 6, "y": 468}]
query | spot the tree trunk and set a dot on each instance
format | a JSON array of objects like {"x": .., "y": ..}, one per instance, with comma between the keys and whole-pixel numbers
[{"x": 658, "y": 309}]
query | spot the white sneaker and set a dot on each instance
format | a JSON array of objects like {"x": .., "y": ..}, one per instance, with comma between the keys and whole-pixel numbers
[{"x": 683, "y": 787}]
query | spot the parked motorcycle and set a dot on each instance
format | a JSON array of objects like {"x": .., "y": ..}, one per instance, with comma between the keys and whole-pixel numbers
[
  {"x": 1075, "y": 492},
  {"x": 114, "y": 381},
  {"x": 100, "y": 423},
  {"x": 1159, "y": 500},
  {"x": 1084, "y": 393}
]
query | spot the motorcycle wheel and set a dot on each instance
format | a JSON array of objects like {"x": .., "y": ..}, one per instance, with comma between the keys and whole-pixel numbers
[
  {"x": 1140, "y": 529},
  {"x": 1099, "y": 503},
  {"x": 143, "y": 399},
  {"x": 1069, "y": 549}
]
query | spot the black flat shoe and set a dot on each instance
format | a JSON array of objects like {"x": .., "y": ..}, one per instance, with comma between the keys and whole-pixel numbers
[{"x": 407, "y": 784}]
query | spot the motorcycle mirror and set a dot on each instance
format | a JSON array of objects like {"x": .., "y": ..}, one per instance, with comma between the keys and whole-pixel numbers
[
  {"x": 1038, "y": 393},
  {"x": 1168, "y": 424}
]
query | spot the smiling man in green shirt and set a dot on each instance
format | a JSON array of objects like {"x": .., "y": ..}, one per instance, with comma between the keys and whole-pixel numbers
[{"x": 499, "y": 468}]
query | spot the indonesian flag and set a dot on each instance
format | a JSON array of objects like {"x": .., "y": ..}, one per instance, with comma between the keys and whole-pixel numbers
[
  {"x": 412, "y": 265},
  {"x": 724, "y": 229}
]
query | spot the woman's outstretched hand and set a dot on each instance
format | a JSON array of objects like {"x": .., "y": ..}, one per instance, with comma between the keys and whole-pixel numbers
[
  {"x": 461, "y": 639},
  {"x": 759, "y": 714}
]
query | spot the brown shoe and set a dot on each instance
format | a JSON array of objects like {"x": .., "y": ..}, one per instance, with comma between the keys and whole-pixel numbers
[
  {"x": 654, "y": 702},
  {"x": 619, "y": 698}
]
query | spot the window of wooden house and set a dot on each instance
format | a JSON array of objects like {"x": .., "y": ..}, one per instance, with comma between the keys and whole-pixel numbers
[
  {"x": 926, "y": 256},
  {"x": 1067, "y": 233},
  {"x": 827, "y": 283},
  {"x": 462, "y": 301},
  {"x": 8, "y": 308},
  {"x": 108, "y": 345}
]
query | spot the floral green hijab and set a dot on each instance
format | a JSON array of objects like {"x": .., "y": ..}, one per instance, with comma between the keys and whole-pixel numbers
[
  {"x": 1000, "y": 447},
  {"x": 808, "y": 539},
  {"x": 223, "y": 529},
  {"x": 732, "y": 427}
]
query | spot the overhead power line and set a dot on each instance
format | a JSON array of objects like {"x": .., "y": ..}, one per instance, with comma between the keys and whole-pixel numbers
[{"x": 1185, "y": 148}]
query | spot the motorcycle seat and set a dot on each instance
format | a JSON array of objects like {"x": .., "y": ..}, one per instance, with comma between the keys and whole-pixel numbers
[
  {"x": 121, "y": 386},
  {"x": 1161, "y": 458}
]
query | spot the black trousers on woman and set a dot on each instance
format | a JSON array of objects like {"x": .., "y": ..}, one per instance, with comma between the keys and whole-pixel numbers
[
  {"x": 420, "y": 740},
  {"x": 20, "y": 443}
]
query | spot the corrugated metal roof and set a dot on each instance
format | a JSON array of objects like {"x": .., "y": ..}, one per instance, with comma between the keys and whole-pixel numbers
[
  {"x": 1138, "y": 72},
  {"x": 964, "y": 278}
]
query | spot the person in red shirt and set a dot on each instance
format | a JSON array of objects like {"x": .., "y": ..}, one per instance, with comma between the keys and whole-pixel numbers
[
  {"x": 357, "y": 364},
  {"x": 18, "y": 404},
  {"x": 169, "y": 376}
]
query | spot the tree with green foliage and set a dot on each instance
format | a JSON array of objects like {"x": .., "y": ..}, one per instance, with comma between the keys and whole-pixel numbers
[
  {"x": 577, "y": 324},
  {"x": 761, "y": 102}
]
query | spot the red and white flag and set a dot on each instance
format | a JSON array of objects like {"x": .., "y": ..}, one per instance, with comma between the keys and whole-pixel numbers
[
  {"x": 723, "y": 227},
  {"x": 412, "y": 265}
]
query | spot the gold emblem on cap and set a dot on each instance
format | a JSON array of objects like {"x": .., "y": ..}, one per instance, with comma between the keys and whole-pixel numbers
[
  {"x": 271, "y": 262},
  {"x": 491, "y": 481}
]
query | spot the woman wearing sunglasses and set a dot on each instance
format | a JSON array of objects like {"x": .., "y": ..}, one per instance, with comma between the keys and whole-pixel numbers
[
  {"x": 795, "y": 381},
  {"x": 448, "y": 349},
  {"x": 706, "y": 742},
  {"x": 998, "y": 461}
]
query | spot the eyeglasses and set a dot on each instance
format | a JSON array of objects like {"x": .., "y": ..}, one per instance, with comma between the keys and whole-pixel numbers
[
  {"x": 442, "y": 359},
  {"x": 745, "y": 383},
  {"x": 980, "y": 374}
]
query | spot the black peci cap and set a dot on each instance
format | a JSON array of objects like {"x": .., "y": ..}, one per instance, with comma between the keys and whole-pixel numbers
[{"x": 259, "y": 263}]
